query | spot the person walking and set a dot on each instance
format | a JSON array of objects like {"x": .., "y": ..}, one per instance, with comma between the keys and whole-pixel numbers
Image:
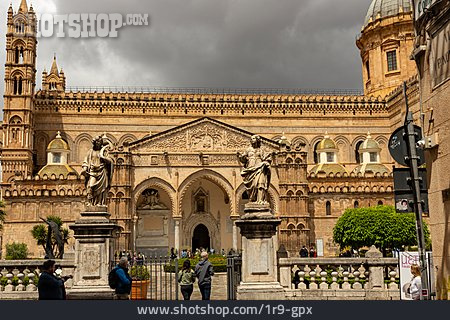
[
  {"x": 186, "y": 278},
  {"x": 49, "y": 286},
  {"x": 312, "y": 252},
  {"x": 204, "y": 272},
  {"x": 416, "y": 282},
  {"x": 123, "y": 283},
  {"x": 304, "y": 252}
]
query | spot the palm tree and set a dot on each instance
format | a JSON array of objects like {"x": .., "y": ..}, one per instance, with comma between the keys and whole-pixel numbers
[{"x": 2, "y": 214}]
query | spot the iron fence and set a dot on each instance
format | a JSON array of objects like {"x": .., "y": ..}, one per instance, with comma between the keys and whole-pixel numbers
[
  {"x": 234, "y": 264},
  {"x": 154, "y": 278}
]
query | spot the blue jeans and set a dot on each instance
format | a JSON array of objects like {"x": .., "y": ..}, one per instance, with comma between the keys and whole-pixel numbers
[{"x": 205, "y": 289}]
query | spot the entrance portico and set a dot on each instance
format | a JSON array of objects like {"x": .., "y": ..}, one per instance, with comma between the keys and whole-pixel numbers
[{"x": 189, "y": 188}]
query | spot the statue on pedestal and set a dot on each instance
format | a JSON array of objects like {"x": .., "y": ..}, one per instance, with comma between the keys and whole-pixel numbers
[
  {"x": 97, "y": 169},
  {"x": 256, "y": 175}
]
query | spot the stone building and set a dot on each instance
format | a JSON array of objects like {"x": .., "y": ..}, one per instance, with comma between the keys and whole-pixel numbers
[
  {"x": 431, "y": 54},
  {"x": 177, "y": 179}
]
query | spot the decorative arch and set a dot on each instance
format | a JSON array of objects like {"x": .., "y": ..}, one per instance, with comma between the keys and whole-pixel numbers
[
  {"x": 274, "y": 197},
  {"x": 41, "y": 141},
  {"x": 158, "y": 183},
  {"x": 126, "y": 138},
  {"x": 209, "y": 222},
  {"x": 312, "y": 145},
  {"x": 297, "y": 142},
  {"x": 15, "y": 120},
  {"x": 383, "y": 143},
  {"x": 78, "y": 141},
  {"x": 343, "y": 145},
  {"x": 354, "y": 144},
  {"x": 17, "y": 73},
  {"x": 212, "y": 176}
]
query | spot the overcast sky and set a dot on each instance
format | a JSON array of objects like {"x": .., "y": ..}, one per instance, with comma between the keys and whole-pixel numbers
[{"x": 210, "y": 43}]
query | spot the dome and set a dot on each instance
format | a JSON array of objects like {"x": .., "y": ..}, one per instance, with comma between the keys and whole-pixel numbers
[
  {"x": 371, "y": 167},
  {"x": 57, "y": 170},
  {"x": 58, "y": 144},
  {"x": 328, "y": 168},
  {"x": 326, "y": 143},
  {"x": 369, "y": 144},
  {"x": 379, "y": 9}
]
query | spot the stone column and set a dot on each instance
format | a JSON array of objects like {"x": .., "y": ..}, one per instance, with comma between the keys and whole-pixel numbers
[
  {"x": 235, "y": 236},
  {"x": 177, "y": 236},
  {"x": 259, "y": 258},
  {"x": 135, "y": 221},
  {"x": 94, "y": 244}
]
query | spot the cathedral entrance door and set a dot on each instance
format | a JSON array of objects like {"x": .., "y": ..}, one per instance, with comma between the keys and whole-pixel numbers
[{"x": 200, "y": 238}]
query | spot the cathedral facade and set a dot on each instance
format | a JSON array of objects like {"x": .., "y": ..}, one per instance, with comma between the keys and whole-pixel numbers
[{"x": 177, "y": 179}]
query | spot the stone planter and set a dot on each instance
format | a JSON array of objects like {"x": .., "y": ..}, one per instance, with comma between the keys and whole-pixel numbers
[{"x": 139, "y": 289}]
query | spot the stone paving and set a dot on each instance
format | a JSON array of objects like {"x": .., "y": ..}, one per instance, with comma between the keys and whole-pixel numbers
[{"x": 218, "y": 290}]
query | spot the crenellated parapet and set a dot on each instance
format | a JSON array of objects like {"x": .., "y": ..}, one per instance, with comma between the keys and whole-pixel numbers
[
  {"x": 45, "y": 186},
  {"x": 342, "y": 184},
  {"x": 211, "y": 104}
]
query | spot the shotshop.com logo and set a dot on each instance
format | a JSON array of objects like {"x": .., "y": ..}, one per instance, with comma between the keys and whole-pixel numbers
[{"x": 87, "y": 25}]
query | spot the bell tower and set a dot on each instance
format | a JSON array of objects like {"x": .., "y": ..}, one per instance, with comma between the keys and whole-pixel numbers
[{"x": 20, "y": 81}]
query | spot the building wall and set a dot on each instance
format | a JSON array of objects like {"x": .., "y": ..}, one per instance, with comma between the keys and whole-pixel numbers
[{"x": 437, "y": 122}]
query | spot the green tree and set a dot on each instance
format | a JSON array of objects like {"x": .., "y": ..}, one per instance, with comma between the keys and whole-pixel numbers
[
  {"x": 16, "y": 251},
  {"x": 381, "y": 226},
  {"x": 2, "y": 214},
  {"x": 40, "y": 232}
]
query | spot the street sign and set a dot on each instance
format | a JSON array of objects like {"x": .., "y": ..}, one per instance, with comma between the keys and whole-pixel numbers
[
  {"x": 403, "y": 190},
  {"x": 398, "y": 146}
]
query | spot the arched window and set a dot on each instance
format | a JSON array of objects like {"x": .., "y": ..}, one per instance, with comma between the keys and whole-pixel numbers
[
  {"x": 245, "y": 195},
  {"x": 316, "y": 155},
  {"x": 380, "y": 203},
  {"x": 357, "y": 156},
  {"x": 19, "y": 86},
  {"x": 16, "y": 56},
  {"x": 356, "y": 205},
  {"x": 15, "y": 85},
  {"x": 328, "y": 208}
]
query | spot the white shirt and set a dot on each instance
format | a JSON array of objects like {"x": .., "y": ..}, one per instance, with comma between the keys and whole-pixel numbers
[{"x": 416, "y": 287}]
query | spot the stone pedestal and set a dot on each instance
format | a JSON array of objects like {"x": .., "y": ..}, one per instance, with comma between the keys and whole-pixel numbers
[
  {"x": 259, "y": 260},
  {"x": 94, "y": 241}
]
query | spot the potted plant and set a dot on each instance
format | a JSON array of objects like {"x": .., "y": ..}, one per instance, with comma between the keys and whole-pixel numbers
[{"x": 141, "y": 281}]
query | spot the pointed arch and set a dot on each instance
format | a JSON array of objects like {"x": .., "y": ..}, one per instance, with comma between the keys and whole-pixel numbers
[
  {"x": 127, "y": 138},
  {"x": 312, "y": 154},
  {"x": 343, "y": 145},
  {"x": 212, "y": 176},
  {"x": 297, "y": 143},
  {"x": 155, "y": 183},
  {"x": 82, "y": 142}
]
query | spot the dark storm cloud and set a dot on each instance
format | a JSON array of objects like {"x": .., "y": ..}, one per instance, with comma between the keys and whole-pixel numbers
[{"x": 213, "y": 43}]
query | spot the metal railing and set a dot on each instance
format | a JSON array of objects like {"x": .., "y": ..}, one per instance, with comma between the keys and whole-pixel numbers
[
  {"x": 205, "y": 90},
  {"x": 234, "y": 265}
]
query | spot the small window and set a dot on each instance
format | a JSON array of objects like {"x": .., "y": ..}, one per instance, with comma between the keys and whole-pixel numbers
[
  {"x": 356, "y": 205},
  {"x": 357, "y": 155},
  {"x": 368, "y": 69},
  {"x": 316, "y": 155},
  {"x": 330, "y": 157},
  {"x": 328, "y": 208},
  {"x": 373, "y": 156},
  {"x": 56, "y": 157},
  {"x": 392, "y": 60},
  {"x": 380, "y": 203},
  {"x": 245, "y": 195}
]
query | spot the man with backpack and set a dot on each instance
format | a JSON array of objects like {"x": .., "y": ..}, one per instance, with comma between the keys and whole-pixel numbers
[
  {"x": 204, "y": 272},
  {"x": 120, "y": 280}
]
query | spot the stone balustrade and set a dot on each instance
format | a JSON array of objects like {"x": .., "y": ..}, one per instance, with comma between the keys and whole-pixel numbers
[
  {"x": 18, "y": 278},
  {"x": 370, "y": 278}
]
